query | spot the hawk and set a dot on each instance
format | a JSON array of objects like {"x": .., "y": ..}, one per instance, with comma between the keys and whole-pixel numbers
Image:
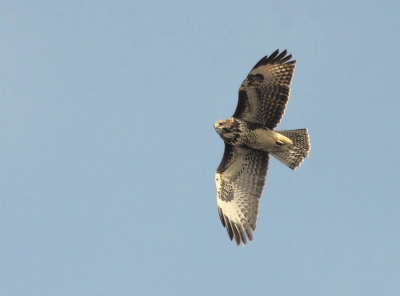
[{"x": 250, "y": 138}]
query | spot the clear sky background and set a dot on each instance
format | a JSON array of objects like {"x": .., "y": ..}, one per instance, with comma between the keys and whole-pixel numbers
[{"x": 108, "y": 151}]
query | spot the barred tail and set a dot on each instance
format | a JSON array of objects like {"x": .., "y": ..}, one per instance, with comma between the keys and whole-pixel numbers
[{"x": 298, "y": 151}]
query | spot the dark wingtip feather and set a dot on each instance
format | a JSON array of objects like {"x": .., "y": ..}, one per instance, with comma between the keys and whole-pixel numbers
[
  {"x": 275, "y": 57},
  {"x": 249, "y": 234},
  {"x": 272, "y": 56},
  {"x": 228, "y": 228},
  {"x": 261, "y": 62},
  {"x": 241, "y": 233},
  {"x": 235, "y": 234},
  {"x": 221, "y": 216},
  {"x": 285, "y": 59},
  {"x": 281, "y": 55},
  {"x": 253, "y": 226}
]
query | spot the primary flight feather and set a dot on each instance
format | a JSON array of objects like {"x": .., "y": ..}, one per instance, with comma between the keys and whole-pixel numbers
[{"x": 250, "y": 138}]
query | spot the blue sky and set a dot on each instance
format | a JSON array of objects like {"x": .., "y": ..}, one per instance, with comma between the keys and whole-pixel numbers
[{"x": 108, "y": 151}]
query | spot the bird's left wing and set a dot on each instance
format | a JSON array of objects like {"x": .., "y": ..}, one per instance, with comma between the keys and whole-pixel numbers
[
  {"x": 264, "y": 94},
  {"x": 240, "y": 180}
]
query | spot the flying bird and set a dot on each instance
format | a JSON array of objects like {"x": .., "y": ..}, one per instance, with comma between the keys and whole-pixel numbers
[{"x": 250, "y": 137}]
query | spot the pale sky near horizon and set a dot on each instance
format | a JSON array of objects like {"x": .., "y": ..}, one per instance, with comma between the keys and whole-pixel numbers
[{"x": 108, "y": 151}]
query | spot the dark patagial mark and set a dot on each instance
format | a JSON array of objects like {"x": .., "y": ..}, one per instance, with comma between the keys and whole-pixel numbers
[
  {"x": 229, "y": 155},
  {"x": 242, "y": 104}
]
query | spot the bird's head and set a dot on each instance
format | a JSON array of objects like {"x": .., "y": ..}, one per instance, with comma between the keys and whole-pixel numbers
[{"x": 228, "y": 128}]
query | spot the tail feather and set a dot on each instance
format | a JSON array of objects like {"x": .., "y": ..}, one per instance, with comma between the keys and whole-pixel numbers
[{"x": 299, "y": 150}]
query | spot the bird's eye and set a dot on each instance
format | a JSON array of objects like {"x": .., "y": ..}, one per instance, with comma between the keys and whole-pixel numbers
[{"x": 220, "y": 124}]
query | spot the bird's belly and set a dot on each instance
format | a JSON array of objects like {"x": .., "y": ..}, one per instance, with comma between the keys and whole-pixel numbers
[{"x": 268, "y": 141}]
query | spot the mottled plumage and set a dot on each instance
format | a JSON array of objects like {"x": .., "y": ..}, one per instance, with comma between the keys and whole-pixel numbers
[{"x": 249, "y": 138}]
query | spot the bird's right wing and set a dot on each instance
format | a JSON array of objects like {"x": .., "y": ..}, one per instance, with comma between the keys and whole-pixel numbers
[
  {"x": 264, "y": 94},
  {"x": 240, "y": 180}
]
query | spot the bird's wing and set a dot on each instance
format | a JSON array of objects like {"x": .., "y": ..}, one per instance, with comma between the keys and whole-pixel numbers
[
  {"x": 240, "y": 180},
  {"x": 264, "y": 94}
]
